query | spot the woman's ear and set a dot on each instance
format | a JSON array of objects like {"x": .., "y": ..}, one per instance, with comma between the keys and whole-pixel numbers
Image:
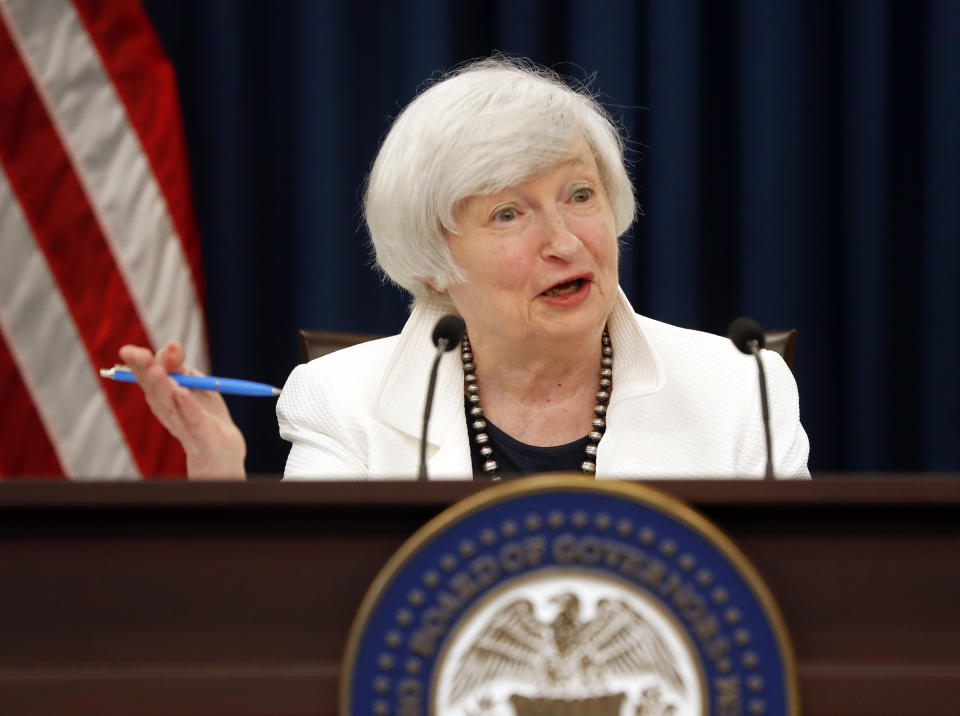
[{"x": 433, "y": 284}]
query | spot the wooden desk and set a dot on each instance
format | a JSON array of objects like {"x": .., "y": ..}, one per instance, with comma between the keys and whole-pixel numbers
[{"x": 205, "y": 598}]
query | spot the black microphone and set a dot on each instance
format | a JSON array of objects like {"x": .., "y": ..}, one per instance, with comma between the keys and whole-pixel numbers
[
  {"x": 446, "y": 336},
  {"x": 449, "y": 328},
  {"x": 742, "y": 331},
  {"x": 748, "y": 337}
]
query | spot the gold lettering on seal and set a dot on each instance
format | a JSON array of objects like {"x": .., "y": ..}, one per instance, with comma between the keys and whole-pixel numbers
[
  {"x": 409, "y": 697},
  {"x": 565, "y": 549},
  {"x": 706, "y": 628},
  {"x": 463, "y": 586},
  {"x": 718, "y": 648},
  {"x": 422, "y": 643},
  {"x": 632, "y": 565},
  {"x": 568, "y": 549},
  {"x": 591, "y": 550},
  {"x": 535, "y": 548},
  {"x": 485, "y": 570},
  {"x": 726, "y": 691},
  {"x": 671, "y": 585},
  {"x": 512, "y": 558},
  {"x": 480, "y": 573},
  {"x": 690, "y": 604},
  {"x": 434, "y": 619},
  {"x": 654, "y": 573},
  {"x": 515, "y": 556},
  {"x": 448, "y": 603}
]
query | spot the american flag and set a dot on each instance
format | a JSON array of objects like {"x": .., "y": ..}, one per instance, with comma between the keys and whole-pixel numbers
[{"x": 98, "y": 245}]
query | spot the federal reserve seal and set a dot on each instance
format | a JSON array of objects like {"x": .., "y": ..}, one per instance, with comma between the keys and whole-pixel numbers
[{"x": 564, "y": 596}]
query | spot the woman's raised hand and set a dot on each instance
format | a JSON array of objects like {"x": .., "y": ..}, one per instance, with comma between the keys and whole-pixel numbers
[{"x": 199, "y": 419}]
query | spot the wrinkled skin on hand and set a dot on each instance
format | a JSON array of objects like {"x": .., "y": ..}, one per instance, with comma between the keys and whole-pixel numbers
[{"x": 199, "y": 419}]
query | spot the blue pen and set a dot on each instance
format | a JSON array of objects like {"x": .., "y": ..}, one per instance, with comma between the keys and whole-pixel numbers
[{"x": 231, "y": 386}]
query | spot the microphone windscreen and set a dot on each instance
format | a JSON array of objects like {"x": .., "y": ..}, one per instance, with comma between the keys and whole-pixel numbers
[
  {"x": 743, "y": 330},
  {"x": 450, "y": 327}
]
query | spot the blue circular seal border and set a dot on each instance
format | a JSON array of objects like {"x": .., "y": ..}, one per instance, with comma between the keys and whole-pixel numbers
[{"x": 627, "y": 531}]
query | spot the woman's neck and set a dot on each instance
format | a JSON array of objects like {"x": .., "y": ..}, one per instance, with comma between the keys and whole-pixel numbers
[{"x": 540, "y": 398}]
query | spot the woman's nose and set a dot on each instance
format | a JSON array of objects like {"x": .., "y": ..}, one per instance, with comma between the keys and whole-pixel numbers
[{"x": 559, "y": 239}]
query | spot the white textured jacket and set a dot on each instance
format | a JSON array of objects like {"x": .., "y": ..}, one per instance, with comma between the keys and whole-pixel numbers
[{"x": 683, "y": 404}]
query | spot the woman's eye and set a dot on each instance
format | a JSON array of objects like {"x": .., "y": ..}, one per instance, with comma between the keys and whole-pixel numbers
[
  {"x": 582, "y": 194},
  {"x": 506, "y": 213}
]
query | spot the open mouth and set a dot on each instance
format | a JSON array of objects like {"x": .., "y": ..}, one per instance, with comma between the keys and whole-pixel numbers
[{"x": 564, "y": 289}]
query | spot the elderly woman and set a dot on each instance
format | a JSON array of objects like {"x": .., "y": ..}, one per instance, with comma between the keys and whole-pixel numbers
[{"x": 499, "y": 194}]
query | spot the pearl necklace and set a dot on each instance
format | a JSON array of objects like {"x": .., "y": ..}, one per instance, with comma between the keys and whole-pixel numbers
[{"x": 479, "y": 425}]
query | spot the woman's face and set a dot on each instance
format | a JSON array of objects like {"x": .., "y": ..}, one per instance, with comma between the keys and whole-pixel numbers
[{"x": 540, "y": 258}]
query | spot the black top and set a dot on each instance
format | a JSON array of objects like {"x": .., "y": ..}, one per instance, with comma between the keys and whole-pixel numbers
[{"x": 517, "y": 459}]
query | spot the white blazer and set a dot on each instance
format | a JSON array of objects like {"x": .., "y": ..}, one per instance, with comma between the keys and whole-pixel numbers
[{"x": 683, "y": 404}]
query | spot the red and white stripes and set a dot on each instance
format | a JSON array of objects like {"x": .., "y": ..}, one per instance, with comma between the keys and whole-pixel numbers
[{"x": 97, "y": 241}]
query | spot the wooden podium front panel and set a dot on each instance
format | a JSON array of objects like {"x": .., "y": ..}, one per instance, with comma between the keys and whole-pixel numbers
[{"x": 236, "y": 599}]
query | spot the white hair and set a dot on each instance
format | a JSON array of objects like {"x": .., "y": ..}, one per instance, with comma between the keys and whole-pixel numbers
[{"x": 487, "y": 126}]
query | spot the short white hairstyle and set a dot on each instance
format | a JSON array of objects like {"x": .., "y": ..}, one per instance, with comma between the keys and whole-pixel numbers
[{"x": 488, "y": 125}]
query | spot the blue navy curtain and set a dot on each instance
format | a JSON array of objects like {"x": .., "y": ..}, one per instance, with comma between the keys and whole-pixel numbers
[{"x": 796, "y": 161}]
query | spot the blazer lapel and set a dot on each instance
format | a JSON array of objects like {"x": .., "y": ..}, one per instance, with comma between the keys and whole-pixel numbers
[
  {"x": 402, "y": 392},
  {"x": 637, "y": 372}
]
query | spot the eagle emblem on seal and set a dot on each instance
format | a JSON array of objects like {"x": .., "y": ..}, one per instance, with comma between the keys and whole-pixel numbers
[{"x": 569, "y": 660}]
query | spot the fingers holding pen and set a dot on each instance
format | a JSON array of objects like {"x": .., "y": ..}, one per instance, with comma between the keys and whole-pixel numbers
[
  {"x": 171, "y": 358},
  {"x": 136, "y": 357},
  {"x": 199, "y": 419},
  {"x": 142, "y": 363},
  {"x": 156, "y": 383},
  {"x": 214, "y": 445}
]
